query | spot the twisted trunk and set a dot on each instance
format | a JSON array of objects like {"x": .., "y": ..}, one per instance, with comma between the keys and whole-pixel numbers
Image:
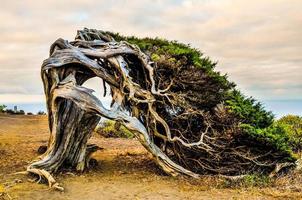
[{"x": 170, "y": 123}]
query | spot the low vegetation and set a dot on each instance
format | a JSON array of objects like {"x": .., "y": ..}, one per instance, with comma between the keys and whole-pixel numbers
[
  {"x": 3, "y": 109},
  {"x": 41, "y": 113},
  {"x": 109, "y": 128},
  {"x": 292, "y": 126},
  {"x": 15, "y": 112},
  {"x": 251, "y": 180}
]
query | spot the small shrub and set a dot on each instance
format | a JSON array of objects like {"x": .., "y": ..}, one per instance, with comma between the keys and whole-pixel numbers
[
  {"x": 41, "y": 113},
  {"x": 252, "y": 180},
  {"x": 293, "y": 126},
  {"x": 2, "y": 107},
  {"x": 9, "y": 111},
  {"x": 12, "y": 112},
  {"x": 274, "y": 137},
  {"x": 283, "y": 135},
  {"x": 20, "y": 112},
  {"x": 113, "y": 129},
  {"x": 155, "y": 57}
]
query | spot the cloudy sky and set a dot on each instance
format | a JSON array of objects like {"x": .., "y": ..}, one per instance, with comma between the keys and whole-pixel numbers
[{"x": 258, "y": 43}]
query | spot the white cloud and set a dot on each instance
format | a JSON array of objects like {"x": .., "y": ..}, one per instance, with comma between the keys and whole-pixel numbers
[
  {"x": 258, "y": 43},
  {"x": 21, "y": 98}
]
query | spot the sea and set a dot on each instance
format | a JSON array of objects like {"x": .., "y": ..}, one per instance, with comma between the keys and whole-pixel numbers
[{"x": 278, "y": 107}]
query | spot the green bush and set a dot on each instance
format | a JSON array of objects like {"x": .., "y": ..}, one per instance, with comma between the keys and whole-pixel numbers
[
  {"x": 41, "y": 113},
  {"x": 113, "y": 129},
  {"x": 274, "y": 136},
  {"x": 251, "y": 180},
  {"x": 293, "y": 127},
  {"x": 171, "y": 48},
  {"x": 284, "y": 134},
  {"x": 2, "y": 107}
]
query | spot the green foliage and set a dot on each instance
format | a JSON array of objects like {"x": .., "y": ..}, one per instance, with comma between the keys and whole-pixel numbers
[
  {"x": 2, "y": 107},
  {"x": 174, "y": 49},
  {"x": 284, "y": 135},
  {"x": 251, "y": 180},
  {"x": 256, "y": 123},
  {"x": 177, "y": 54},
  {"x": 274, "y": 136},
  {"x": 111, "y": 128},
  {"x": 293, "y": 126},
  {"x": 248, "y": 110},
  {"x": 294, "y": 121},
  {"x": 155, "y": 57}
]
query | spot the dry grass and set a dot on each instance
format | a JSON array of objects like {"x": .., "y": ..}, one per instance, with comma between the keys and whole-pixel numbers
[{"x": 125, "y": 171}]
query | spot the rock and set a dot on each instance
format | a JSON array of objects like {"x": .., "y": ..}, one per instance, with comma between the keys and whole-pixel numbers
[
  {"x": 93, "y": 163},
  {"x": 42, "y": 149}
]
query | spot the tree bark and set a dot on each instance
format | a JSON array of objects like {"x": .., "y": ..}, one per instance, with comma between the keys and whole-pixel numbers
[{"x": 151, "y": 113}]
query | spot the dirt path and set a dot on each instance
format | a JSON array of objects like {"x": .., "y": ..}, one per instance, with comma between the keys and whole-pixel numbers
[{"x": 124, "y": 171}]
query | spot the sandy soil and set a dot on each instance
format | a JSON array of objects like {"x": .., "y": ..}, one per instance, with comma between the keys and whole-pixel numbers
[{"x": 124, "y": 171}]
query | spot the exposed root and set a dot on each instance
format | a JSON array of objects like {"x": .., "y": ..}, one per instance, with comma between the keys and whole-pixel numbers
[
  {"x": 279, "y": 167},
  {"x": 233, "y": 178},
  {"x": 23, "y": 173},
  {"x": 4, "y": 194},
  {"x": 46, "y": 175}
]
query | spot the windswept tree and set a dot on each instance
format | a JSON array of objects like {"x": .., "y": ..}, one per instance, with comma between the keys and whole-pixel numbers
[{"x": 187, "y": 115}]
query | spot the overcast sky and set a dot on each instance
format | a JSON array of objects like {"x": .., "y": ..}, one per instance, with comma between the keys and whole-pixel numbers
[{"x": 258, "y": 43}]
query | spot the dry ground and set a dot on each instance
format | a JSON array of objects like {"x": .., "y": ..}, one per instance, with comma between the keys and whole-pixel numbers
[{"x": 124, "y": 171}]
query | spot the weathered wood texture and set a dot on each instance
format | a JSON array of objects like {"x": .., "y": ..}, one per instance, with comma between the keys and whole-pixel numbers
[
  {"x": 73, "y": 110},
  {"x": 169, "y": 122}
]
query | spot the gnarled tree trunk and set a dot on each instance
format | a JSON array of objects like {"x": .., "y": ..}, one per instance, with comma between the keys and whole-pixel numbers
[
  {"x": 158, "y": 106},
  {"x": 74, "y": 112}
]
